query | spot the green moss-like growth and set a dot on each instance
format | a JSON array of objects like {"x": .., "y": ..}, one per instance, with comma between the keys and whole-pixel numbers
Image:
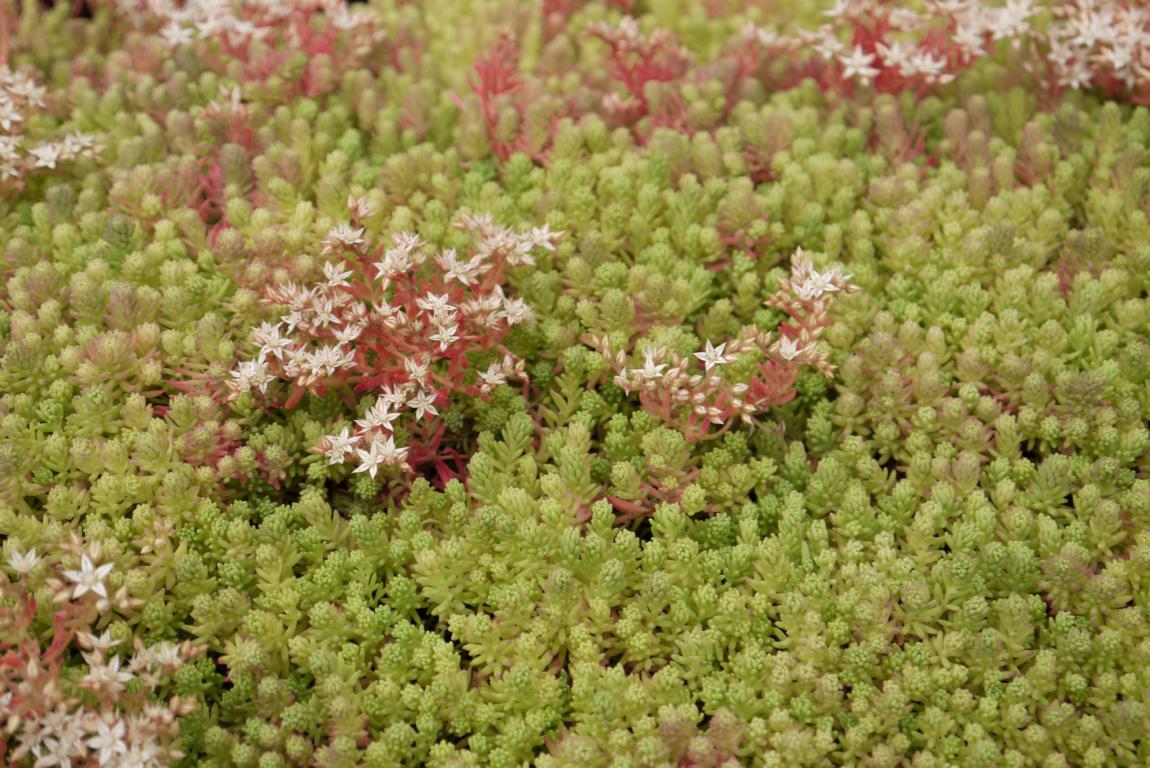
[{"x": 740, "y": 394}]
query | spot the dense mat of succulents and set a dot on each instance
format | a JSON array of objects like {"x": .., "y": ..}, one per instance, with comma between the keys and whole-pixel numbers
[{"x": 575, "y": 383}]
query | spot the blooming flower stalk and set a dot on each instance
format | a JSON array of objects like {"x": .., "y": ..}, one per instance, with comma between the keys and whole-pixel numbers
[
  {"x": 697, "y": 402},
  {"x": 400, "y": 321},
  {"x": 49, "y": 714}
]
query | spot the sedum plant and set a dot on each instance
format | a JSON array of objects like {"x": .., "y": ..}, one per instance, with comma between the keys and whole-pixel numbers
[
  {"x": 415, "y": 338},
  {"x": 818, "y": 437},
  {"x": 109, "y": 715},
  {"x": 695, "y": 402}
]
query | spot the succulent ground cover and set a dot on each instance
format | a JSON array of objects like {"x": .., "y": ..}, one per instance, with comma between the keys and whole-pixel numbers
[{"x": 575, "y": 383}]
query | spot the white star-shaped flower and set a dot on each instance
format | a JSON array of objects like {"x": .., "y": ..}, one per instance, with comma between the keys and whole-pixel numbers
[
  {"x": 650, "y": 369},
  {"x": 416, "y": 367},
  {"x": 360, "y": 207},
  {"x": 343, "y": 237},
  {"x": 324, "y": 313},
  {"x": 271, "y": 340},
  {"x": 516, "y": 311},
  {"x": 476, "y": 222},
  {"x": 858, "y": 65},
  {"x": 435, "y": 304},
  {"x": 176, "y": 34},
  {"x": 789, "y": 349},
  {"x": 251, "y": 374},
  {"x": 623, "y": 380},
  {"x": 336, "y": 274},
  {"x": 446, "y": 336},
  {"x": 25, "y": 89},
  {"x": 339, "y": 446},
  {"x": 108, "y": 676},
  {"x": 408, "y": 242},
  {"x": 381, "y": 451},
  {"x": 713, "y": 356},
  {"x": 379, "y": 416},
  {"x": 424, "y": 404},
  {"x": 8, "y": 113},
  {"x": 100, "y": 642},
  {"x": 543, "y": 237},
  {"x": 108, "y": 742},
  {"x": 23, "y": 563},
  {"x": 492, "y": 377},
  {"x": 89, "y": 578},
  {"x": 47, "y": 154},
  {"x": 348, "y": 333}
]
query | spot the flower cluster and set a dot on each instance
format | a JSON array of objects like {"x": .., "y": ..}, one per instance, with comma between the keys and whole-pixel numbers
[
  {"x": 696, "y": 401},
  {"x": 245, "y": 29},
  {"x": 407, "y": 326},
  {"x": 895, "y": 48},
  {"x": 1079, "y": 44},
  {"x": 21, "y": 98},
  {"x": 1103, "y": 44},
  {"x": 103, "y": 712}
]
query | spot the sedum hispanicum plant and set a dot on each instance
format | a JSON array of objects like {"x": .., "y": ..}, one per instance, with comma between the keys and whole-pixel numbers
[{"x": 588, "y": 383}]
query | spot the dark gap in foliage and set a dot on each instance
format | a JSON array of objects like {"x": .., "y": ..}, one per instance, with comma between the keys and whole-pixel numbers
[
  {"x": 642, "y": 529},
  {"x": 81, "y": 9},
  {"x": 465, "y": 659},
  {"x": 898, "y": 471},
  {"x": 428, "y": 473},
  {"x": 221, "y": 669},
  {"x": 431, "y": 624},
  {"x": 1032, "y": 454}
]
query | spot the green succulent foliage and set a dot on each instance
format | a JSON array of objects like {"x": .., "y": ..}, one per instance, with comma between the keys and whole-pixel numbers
[{"x": 939, "y": 557}]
